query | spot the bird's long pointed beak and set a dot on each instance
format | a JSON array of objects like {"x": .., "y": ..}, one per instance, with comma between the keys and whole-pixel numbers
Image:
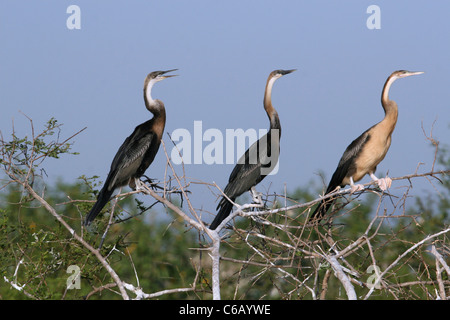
[
  {"x": 413, "y": 73},
  {"x": 283, "y": 72},
  {"x": 170, "y": 75},
  {"x": 163, "y": 72}
]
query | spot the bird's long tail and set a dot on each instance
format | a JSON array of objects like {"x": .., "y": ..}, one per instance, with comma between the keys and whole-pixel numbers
[
  {"x": 325, "y": 204},
  {"x": 321, "y": 209},
  {"x": 225, "y": 209},
  {"x": 102, "y": 199}
]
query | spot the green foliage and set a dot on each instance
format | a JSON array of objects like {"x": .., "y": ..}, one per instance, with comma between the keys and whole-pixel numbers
[{"x": 28, "y": 233}]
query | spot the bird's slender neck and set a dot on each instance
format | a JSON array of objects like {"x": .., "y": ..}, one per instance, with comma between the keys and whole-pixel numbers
[
  {"x": 389, "y": 106},
  {"x": 271, "y": 112},
  {"x": 155, "y": 106}
]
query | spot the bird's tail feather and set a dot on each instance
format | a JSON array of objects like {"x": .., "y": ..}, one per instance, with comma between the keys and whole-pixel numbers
[
  {"x": 321, "y": 209},
  {"x": 225, "y": 210},
  {"x": 325, "y": 204},
  {"x": 102, "y": 199}
]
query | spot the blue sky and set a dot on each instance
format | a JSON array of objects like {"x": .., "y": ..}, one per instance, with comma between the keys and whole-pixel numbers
[{"x": 93, "y": 77}]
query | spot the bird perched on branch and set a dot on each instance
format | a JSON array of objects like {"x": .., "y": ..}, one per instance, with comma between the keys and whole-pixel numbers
[
  {"x": 258, "y": 161},
  {"x": 364, "y": 154},
  {"x": 138, "y": 151}
]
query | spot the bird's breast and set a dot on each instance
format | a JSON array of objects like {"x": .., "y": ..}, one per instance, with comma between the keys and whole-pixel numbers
[{"x": 372, "y": 154}]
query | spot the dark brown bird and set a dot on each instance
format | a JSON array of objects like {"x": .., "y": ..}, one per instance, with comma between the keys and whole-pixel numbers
[
  {"x": 364, "y": 154},
  {"x": 258, "y": 161},
  {"x": 138, "y": 151}
]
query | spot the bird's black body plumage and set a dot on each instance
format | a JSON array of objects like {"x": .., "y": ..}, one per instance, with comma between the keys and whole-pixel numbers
[
  {"x": 246, "y": 174},
  {"x": 130, "y": 162},
  {"x": 138, "y": 151},
  {"x": 346, "y": 167},
  {"x": 257, "y": 161}
]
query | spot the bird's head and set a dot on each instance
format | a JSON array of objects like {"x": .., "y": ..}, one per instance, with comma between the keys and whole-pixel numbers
[
  {"x": 150, "y": 80},
  {"x": 404, "y": 73},
  {"x": 399, "y": 74},
  {"x": 279, "y": 73},
  {"x": 157, "y": 76},
  {"x": 274, "y": 75}
]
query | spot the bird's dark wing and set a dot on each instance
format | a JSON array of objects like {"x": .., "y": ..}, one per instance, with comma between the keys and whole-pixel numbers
[
  {"x": 248, "y": 171},
  {"x": 124, "y": 166},
  {"x": 129, "y": 157},
  {"x": 244, "y": 176},
  {"x": 345, "y": 168}
]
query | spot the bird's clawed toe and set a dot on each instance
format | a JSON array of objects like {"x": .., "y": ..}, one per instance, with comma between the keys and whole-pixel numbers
[
  {"x": 384, "y": 183},
  {"x": 356, "y": 188}
]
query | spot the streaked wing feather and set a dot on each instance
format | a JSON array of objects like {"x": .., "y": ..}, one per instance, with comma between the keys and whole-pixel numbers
[
  {"x": 347, "y": 161},
  {"x": 129, "y": 157}
]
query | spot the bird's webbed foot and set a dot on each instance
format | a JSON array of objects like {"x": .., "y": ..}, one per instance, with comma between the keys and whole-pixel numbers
[
  {"x": 383, "y": 183},
  {"x": 152, "y": 183},
  {"x": 256, "y": 196},
  {"x": 355, "y": 187},
  {"x": 138, "y": 185}
]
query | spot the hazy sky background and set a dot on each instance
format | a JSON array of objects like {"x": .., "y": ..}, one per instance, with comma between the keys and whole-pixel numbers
[{"x": 93, "y": 77}]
